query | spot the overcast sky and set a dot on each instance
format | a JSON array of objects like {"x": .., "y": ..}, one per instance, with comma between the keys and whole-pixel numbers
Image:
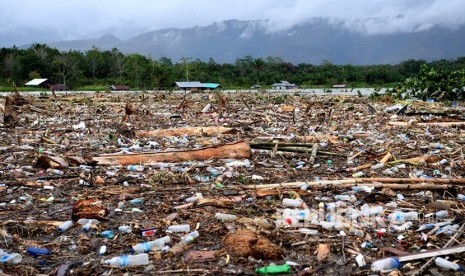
[{"x": 48, "y": 20}]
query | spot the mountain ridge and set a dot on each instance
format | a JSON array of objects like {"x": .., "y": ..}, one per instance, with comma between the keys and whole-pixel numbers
[{"x": 313, "y": 42}]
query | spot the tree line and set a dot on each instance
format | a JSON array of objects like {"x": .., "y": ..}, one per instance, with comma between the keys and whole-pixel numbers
[{"x": 106, "y": 67}]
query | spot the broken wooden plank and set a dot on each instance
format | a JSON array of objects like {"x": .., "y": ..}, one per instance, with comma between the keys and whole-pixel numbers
[
  {"x": 238, "y": 150},
  {"x": 194, "y": 131}
]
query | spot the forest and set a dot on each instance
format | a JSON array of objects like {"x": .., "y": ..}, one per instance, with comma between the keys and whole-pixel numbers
[{"x": 97, "y": 69}]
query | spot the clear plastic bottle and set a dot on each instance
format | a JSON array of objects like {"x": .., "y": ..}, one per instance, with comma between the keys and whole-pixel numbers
[
  {"x": 154, "y": 245},
  {"x": 402, "y": 217},
  {"x": 289, "y": 202},
  {"x": 441, "y": 214},
  {"x": 357, "y": 174},
  {"x": 179, "y": 228},
  {"x": 385, "y": 264},
  {"x": 356, "y": 232},
  {"x": 461, "y": 197},
  {"x": 65, "y": 226},
  {"x": 129, "y": 260},
  {"x": 377, "y": 166},
  {"x": 13, "y": 258},
  {"x": 190, "y": 237},
  {"x": 225, "y": 217},
  {"x": 403, "y": 227},
  {"x": 441, "y": 262},
  {"x": 87, "y": 223},
  {"x": 194, "y": 198}
]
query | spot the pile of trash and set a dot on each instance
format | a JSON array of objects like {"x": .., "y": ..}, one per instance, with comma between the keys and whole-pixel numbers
[{"x": 230, "y": 184}]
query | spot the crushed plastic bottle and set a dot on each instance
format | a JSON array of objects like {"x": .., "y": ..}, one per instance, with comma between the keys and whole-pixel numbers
[
  {"x": 135, "y": 168},
  {"x": 108, "y": 234},
  {"x": 194, "y": 198},
  {"x": 225, "y": 217},
  {"x": 402, "y": 217},
  {"x": 385, "y": 264},
  {"x": 125, "y": 229},
  {"x": 289, "y": 202},
  {"x": 10, "y": 258},
  {"x": 128, "y": 260},
  {"x": 443, "y": 263},
  {"x": 461, "y": 197},
  {"x": 37, "y": 251}
]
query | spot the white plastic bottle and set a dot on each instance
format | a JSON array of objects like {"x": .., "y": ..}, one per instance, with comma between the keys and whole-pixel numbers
[
  {"x": 179, "y": 228},
  {"x": 225, "y": 217},
  {"x": 87, "y": 223},
  {"x": 402, "y": 217},
  {"x": 289, "y": 202},
  {"x": 154, "y": 245},
  {"x": 194, "y": 198},
  {"x": 441, "y": 262},
  {"x": 13, "y": 258},
  {"x": 441, "y": 214},
  {"x": 65, "y": 226},
  {"x": 129, "y": 260},
  {"x": 461, "y": 197},
  {"x": 385, "y": 264}
]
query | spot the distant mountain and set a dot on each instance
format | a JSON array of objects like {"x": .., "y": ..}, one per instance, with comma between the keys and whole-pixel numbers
[{"x": 312, "y": 42}]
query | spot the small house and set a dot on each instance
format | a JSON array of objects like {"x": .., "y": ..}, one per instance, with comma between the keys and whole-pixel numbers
[
  {"x": 283, "y": 85},
  {"x": 59, "y": 87},
  {"x": 119, "y": 88}
]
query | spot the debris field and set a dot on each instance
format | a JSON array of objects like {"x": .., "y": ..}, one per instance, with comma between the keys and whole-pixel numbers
[{"x": 230, "y": 184}]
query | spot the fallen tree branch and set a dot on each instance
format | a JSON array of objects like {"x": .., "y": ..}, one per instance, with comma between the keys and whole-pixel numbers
[
  {"x": 196, "y": 131},
  {"x": 237, "y": 150}
]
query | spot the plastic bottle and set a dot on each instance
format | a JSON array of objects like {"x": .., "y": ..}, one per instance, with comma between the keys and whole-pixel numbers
[
  {"x": 125, "y": 229},
  {"x": 65, "y": 226},
  {"x": 135, "y": 168},
  {"x": 402, "y": 227},
  {"x": 441, "y": 214},
  {"x": 103, "y": 250},
  {"x": 13, "y": 258},
  {"x": 401, "y": 217},
  {"x": 356, "y": 232},
  {"x": 108, "y": 234},
  {"x": 461, "y": 197},
  {"x": 154, "y": 245},
  {"x": 87, "y": 223},
  {"x": 37, "y": 251},
  {"x": 128, "y": 260},
  {"x": 179, "y": 228},
  {"x": 350, "y": 198},
  {"x": 136, "y": 201},
  {"x": 329, "y": 163},
  {"x": 274, "y": 269},
  {"x": 441, "y": 262},
  {"x": 426, "y": 226},
  {"x": 377, "y": 166},
  {"x": 289, "y": 202},
  {"x": 306, "y": 231},
  {"x": 357, "y": 174},
  {"x": 194, "y": 198},
  {"x": 385, "y": 264},
  {"x": 225, "y": 217},
  {"x": 190, "y": 237}
]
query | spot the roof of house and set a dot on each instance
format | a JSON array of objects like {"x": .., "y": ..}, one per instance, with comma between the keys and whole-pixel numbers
[
  {"x": 36, "y": 81},
  {"x": 196, "y": 84},
  {"x": 283, "y": 83}
]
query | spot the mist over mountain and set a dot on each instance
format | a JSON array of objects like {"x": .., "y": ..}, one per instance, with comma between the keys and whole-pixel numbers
[{"x": 312, "y": 42}]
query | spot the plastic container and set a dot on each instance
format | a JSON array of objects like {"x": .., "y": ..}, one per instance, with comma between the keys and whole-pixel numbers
[
  {"x": 37, "y": 251},
  {"x": 225, "y": 217},
  {"x": 289, "y": 202},
  {"x": 179, "y": 228},
  {"x": 128, "y": 260},
  {"x": 274, "y": 269},
  {"x": 125, "y": 229},
  {"x": 443, "y": 263},
  {"x": 154, "y": 245},
  {"x": 356, "y": 232},
  {"x": 13, "y": 258},
  {"x": 135, "y": 168},
  {"x": 65, "y": 226},
  {"x": 385, "y": 264},
  {"x": 461, "y": 197}
]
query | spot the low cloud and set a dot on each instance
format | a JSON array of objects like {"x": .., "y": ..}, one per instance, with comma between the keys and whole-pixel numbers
[{"x": 74, "y": 19}]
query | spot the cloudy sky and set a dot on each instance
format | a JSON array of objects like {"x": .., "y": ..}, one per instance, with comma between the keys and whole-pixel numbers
[{"x": 26, "y": 21}]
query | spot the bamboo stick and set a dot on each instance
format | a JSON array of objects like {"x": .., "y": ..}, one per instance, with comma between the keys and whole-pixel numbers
[
  {"x": 386, "y": 158},
  {"x": 235, "y": 150},
  {"x": 441, "y": 124}
]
